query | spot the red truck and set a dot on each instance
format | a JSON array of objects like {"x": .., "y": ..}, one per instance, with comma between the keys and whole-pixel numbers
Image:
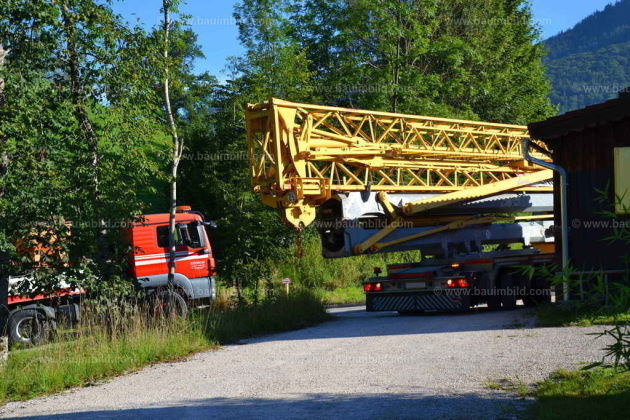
[{"x": 31, "y": 318}]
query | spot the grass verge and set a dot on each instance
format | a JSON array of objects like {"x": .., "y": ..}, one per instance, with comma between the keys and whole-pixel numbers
[
  {"x": 506, "y": 384},
  {"x": 313, "y": 271},
  {"x": 138, "y": 340},
  {"x": 557, "y": 316},
  {"x": 342, "y": 295},
  {"x": 602, "y": 393},
  {"x": 90, "y": 358},
  {"x": 296, "y": 311}
]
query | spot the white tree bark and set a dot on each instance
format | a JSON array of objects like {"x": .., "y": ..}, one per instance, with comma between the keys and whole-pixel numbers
[
  {"x": 4, "y": 276},
  {"x": 3, "y": 54},
  {"x": 4, "y": 158},
  {"x": 178, "y": 144}
]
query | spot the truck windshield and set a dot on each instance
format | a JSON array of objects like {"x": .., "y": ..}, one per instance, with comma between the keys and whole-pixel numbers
[{"x": 186, "y": 234}]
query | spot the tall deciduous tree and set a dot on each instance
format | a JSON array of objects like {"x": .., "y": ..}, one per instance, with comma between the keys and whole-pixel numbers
[
  {"x": 452, "y": 58},
  {"x": 77, "y": 125},
  {"x": 178, "y": 143},
  {"x": 4, "y": 255},
  {"x": 274, "y": 64}
]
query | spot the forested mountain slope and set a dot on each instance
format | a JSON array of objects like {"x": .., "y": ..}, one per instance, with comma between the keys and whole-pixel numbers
[{"x": 590, "y": 63}]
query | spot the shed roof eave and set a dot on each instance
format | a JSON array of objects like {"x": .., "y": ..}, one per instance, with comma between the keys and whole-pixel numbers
[{"x": 581, "y": 119}]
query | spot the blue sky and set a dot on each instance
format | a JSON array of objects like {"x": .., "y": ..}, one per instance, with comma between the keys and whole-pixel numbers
[{"x": 218, "y": 35}]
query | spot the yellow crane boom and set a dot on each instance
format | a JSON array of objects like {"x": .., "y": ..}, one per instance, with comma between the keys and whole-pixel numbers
[{"x": 301, "y": 155}]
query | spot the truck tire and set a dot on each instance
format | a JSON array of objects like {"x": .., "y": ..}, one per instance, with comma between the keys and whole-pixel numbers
[
  {"x": 170, "y": 302},
  {"x": 508, "y": 296},
  {"x": 29, "y": 327}
]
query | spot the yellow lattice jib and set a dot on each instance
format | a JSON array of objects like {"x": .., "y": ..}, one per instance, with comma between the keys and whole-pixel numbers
[{"x": 301, "y": 155}]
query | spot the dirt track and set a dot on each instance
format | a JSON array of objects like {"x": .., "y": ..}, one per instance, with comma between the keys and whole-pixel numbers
[{"x": 360, "y": 365}]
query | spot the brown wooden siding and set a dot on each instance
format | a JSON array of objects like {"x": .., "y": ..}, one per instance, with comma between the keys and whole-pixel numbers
[{"x": 587, "y": 156}]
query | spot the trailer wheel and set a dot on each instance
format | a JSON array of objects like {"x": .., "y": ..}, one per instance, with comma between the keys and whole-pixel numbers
[
  {"x": 409, "y": 313},
  {"x": 29, "y": 327},
  {"x": 489, "y": 283},
  {"x": 508, "y": 292},
  {"x": 538, "y": 294},
  {"x": 494, "y": 302}
]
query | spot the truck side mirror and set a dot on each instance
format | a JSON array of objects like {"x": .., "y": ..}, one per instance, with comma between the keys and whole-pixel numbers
[{"x": 210, "y": 223}]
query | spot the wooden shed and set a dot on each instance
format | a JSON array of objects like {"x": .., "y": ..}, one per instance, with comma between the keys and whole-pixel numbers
[{"x": 593, "y": 145}]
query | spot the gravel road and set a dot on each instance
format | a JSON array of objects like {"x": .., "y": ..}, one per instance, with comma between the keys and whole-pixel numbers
[{"x": 359, "y": 365}]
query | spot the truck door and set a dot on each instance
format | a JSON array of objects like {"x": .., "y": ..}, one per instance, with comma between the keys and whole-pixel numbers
[{"x": 194, "y": 260}]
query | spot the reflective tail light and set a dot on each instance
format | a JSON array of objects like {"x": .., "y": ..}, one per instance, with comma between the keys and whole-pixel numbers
[
  {"x": 458, "y": 283},
  {"x": 372, "y": 287}
]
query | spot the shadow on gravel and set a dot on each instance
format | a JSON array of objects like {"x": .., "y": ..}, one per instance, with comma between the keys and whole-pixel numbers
[
  {"x": 349, "y": 323},
  {"x": 330, "y": 406}
]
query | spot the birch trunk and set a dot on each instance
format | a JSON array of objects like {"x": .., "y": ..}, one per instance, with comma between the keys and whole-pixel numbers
[
  {"x": 4, "y": 257},
  {"x": 177, "y": 148}
]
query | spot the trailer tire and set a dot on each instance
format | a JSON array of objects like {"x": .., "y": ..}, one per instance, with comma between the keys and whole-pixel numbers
[
  {"x": 494, "y": 302},
  {"x": 409, "y": 313},
  {"x": 508, "y": 296},
  {"x": 538, "y": 294},
  {"x": 29, "y": 327}
]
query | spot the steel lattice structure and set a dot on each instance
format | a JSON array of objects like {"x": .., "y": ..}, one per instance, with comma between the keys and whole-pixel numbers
[{"x": 301, "y": 155}]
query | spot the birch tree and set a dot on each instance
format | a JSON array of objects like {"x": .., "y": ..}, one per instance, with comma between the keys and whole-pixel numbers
[
  {"x": 4, "y": 256},
  {"x": 178, "y": 143}
]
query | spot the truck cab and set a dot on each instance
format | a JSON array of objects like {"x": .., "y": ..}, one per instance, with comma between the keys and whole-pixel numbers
[
  {"x": 195, "y": 264},
  {"x": 32, "y": 317}
]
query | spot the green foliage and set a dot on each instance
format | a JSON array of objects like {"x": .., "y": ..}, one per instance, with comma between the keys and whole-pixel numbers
[
  {"x": 572, "y": 395},
  {"x": 74, "y": 127},
  {"x": 619, "y": 348},
  {"x": 588, "y": 78},
  {"x": 274, "y": 64},
  {"x": 314, "y": 271},
  {"x": 578, "y": 315},
  {"x": 282, "y": 313},
  {"x": 95, "y": 354},
  {"x": 603, "y": 28},
  {"x": 473, "y": 59},
  {"x": 214, "y": 179},
  {"x": 342, "y": 295},
  {"x": 591, "y": 62}
]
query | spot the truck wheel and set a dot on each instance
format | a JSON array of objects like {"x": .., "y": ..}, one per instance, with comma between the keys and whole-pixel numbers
[
  {"x": 170, "y": 302},
  {"x": 508, "y": 296},
  {"x": 29, "y": 327}
]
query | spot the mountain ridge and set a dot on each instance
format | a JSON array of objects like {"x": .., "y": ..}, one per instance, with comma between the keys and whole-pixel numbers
[{"x": 590, "y": 62}]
